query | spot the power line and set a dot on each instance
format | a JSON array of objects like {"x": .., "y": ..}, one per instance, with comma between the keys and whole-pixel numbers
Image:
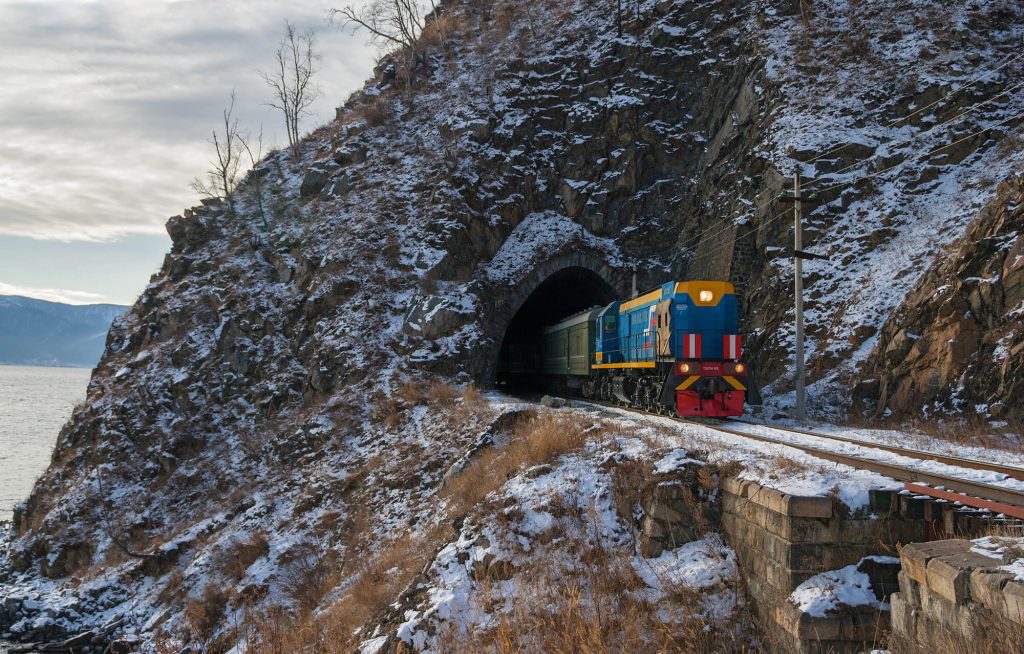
[
  {"x": 928, "y": 154},
  {"x": 971, "y": 109},
  {"x": 973, "y": 80}
]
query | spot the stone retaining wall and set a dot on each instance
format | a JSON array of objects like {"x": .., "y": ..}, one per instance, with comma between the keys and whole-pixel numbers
[
  {"x": 953, "y": 599},
  {"x": 782, "y": 540},
  {"x": 948, "y": 597}
]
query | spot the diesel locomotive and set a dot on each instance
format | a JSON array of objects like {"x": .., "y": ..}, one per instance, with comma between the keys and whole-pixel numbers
[{"x": 675, "y": 349}]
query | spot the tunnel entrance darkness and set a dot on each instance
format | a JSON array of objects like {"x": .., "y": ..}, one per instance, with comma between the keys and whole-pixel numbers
[{"x": 566, "y": 292}]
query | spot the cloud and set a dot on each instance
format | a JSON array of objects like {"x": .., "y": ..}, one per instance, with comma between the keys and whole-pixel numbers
[
  {"x": 64, "y": 295},
  {"x": 107, "y": 105}
]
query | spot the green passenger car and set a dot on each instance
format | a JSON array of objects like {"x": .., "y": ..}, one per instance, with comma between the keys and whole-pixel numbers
[{"x": 568, "y": 347}]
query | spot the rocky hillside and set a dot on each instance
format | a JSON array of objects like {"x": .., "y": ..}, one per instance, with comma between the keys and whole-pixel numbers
[
  {"x": 266, "y": 433},
  {"x": 956, "y": 344}
]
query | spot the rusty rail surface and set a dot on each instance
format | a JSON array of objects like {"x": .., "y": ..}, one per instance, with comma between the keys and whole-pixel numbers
[
  {"x": 897, "y": 472},
  {"x": 905, "y": 474},
  {"x": 974, "y": 464}
]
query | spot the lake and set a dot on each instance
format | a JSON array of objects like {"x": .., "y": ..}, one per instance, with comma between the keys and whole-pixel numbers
[{"x": 34, "y": 404}]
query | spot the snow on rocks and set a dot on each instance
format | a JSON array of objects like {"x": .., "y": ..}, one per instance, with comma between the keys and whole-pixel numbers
[
  {"x": 1009, "y": 549},
  {"x": 547, "y": 518},
  {"x": 831, "y": 591},
  {"x": 538, "y": 236},
  {"x": 706, "y": 566}
]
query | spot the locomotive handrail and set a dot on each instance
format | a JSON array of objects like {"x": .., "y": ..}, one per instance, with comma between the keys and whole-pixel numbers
[{"x": 644, "y": 349}]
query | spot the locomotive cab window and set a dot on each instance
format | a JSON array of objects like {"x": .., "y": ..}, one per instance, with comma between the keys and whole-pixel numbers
[{"x": 609, "y": 324}]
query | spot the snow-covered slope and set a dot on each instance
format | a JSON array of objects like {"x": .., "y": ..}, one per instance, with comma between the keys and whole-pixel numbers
[{"x": 267, "y": 428}]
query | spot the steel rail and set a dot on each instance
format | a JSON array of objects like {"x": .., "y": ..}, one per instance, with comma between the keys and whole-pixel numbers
[
  {"x": 897, "y": 472},
  {"x": 924, "y": 455}
]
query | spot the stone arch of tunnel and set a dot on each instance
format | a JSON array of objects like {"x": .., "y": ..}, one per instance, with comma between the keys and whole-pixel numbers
[{"x": 552, "y": 292}]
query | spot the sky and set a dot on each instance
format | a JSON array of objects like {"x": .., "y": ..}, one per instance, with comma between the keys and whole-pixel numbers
[{"x": 106, "y": 109}]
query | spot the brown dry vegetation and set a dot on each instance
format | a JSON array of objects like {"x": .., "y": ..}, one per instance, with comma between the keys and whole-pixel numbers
[
  {"x": 593, "y": 608},
  {"x": 1010, "y": 536},
  {"x": 783, "y": 466},
  {"x": 235, "y": 560},
  {"x": 999, "y": 639},
  {"x": 596, "y": 610},
  {"x": 375, "y": 581}
]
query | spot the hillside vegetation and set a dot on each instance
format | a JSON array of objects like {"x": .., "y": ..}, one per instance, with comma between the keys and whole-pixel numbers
[{"x": 284, "y": 441}]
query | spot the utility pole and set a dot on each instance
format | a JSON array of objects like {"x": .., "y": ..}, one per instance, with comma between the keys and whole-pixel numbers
[{"x": 798, "y": 292}]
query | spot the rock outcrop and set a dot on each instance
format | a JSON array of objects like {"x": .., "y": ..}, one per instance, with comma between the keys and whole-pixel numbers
[
  {"x": 277, "y": 380},
  {"x": 956, "y": 345}
]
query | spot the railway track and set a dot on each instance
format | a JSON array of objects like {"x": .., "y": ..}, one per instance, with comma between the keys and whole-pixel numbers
[
  {"x": 993, "y": 497},
  {"x": 974, "y": 464}
]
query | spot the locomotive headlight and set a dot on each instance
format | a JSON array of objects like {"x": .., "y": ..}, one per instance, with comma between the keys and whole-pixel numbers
[
  {"x": 740, "y": 368},
  {"x": 684, "y": 368},
  {"x": 706, "y": 296}
]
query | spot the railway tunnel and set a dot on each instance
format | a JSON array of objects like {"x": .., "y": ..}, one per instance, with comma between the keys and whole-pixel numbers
[{"x": 558, "y": 295}]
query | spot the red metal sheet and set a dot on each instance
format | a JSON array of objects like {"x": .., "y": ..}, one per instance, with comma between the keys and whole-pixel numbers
[{"x": 967, "y": 500}]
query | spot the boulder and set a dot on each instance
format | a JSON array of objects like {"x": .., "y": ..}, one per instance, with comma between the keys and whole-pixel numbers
[{"x": 433, "y": 317}]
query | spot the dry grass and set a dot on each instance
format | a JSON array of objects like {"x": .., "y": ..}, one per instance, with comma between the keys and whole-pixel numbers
[
  {"x": 549, "y": 435},
  {"x": 202, "y": 614},
  {"x": 377, "y": 583},
  {"x": 1010, "y": 536},
  {"x": 172, "y": 587},
  {"x": 381, "y": 576},
  {"x": 972, "y": 430},
  {"x": 236, "y": 559},
  {"x": 377, "y": 111},
  {"x": 630, "y": 481},
  {"x": 458, "y": 407},
  {"x": 991, "y": 638},
  {"x": 594, "y": 609},
  {"x": 783, "y": 466},
  {"x": 415, "y": 391}
]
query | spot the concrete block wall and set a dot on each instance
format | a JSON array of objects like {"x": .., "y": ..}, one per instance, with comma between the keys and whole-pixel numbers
[{"x": 954, "y": 600}]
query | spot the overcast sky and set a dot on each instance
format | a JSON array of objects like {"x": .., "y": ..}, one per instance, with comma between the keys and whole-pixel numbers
[{"x": 105, "y": 109}]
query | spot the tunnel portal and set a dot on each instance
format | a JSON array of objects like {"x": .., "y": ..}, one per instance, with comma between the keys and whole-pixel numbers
[{"x": 564, "y": 293}]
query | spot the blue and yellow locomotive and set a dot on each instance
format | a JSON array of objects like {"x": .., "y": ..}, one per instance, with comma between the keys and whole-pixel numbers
[{"x": 674, "y": 349}]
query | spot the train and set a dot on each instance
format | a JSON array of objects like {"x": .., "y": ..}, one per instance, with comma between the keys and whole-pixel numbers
[{"x": 674, "y": 349}]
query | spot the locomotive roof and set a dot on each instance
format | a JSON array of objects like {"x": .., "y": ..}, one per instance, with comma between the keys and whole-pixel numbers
[{"x": 575, "y": 319}]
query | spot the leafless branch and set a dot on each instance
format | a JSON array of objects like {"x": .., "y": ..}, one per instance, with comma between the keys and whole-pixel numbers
[
  {"x": 389, "y": 22},
  {"x": 292, "y": 82},
  {"x": 223, "y": 174}
]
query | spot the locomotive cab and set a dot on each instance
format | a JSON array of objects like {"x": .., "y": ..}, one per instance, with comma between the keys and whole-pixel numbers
[
  {"x": 674, "y": 348},
  {"x": 708, "y": 376}
]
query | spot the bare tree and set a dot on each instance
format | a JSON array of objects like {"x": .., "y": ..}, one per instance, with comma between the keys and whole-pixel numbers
[
  {"x": 223, "y": 174},
  {"x": 254, "y": 150},
  {"x": 292, "y": 82},
  {"x": 395, "y": 23}
]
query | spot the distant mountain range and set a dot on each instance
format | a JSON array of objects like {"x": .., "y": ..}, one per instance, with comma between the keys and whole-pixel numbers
[{"x": 40, "y": 333}]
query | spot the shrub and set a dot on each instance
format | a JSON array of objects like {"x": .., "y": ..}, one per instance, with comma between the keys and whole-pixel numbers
[
  {"x": 202, "y": 614},
  {"x": 237, "y": 559},
  {"x": 309, "y": 578}
]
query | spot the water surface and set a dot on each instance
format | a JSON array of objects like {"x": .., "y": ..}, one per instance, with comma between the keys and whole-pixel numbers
[{"x": 34, "y": 404}]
